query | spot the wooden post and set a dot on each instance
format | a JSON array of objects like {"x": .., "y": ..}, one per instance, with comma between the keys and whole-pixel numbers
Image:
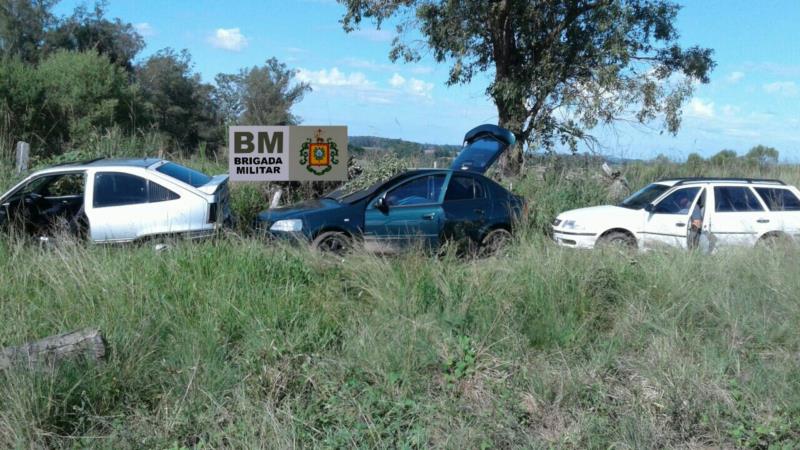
[
  {"x": 276, "y": 199},
  {"x": 23, "y": 156},
  {"x": 88, "y": 343}
]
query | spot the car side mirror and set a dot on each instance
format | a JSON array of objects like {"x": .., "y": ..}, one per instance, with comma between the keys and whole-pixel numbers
[
  {"x": 381, "y": 204},
  {"x": 650, "y": 207}
]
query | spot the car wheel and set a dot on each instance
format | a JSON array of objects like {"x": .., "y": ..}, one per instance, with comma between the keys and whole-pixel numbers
[
  {"x": 775, "y": 241},
  {"x": 617, "y": 239},
  {"x": 333, "y": 242},
  {"x": 495, "y": 242}
]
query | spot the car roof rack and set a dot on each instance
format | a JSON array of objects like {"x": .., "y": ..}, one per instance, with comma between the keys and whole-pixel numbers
[
  {"x": 79, "y": 163},
  {"x": 688, "y": 180}
]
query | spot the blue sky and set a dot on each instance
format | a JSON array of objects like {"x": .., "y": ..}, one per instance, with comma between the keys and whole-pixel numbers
[{"x": 753, "y": 97}]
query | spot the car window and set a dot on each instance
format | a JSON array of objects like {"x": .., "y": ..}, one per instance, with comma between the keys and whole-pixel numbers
[
  {"x": 418, "y": 191},
  {"x": 644, "y": 196},
  {"x": 677, "y": 202},
  {"x": 477, "y": 155},
  {"x": 116, "y": 189},
  {"x": 778, "y": 199},
  {"x": 185, "y": 174},
  {"x": 68, "y": 184},
  {"x": 158, "y": 193},
  {"x": 462, "y": 187},
  {"x": 735, "y": 199}
]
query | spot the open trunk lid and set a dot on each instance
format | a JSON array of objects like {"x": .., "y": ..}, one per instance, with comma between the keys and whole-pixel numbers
[
  {"x": 220, "y": 208},
  {"x": 482, "y": 146}
]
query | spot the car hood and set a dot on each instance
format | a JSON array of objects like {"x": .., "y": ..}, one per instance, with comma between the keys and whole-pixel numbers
[
  {"x": 599, "y": 216},
  {"x": 298, "y": 210}
]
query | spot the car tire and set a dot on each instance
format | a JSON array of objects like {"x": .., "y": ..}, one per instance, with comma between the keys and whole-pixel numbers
[
  {"x": 495, "y": 242},
  {"x": 617, "y": 239},
  {"x": 775, "y": 241},
  {"x": 332, "y": 242}
]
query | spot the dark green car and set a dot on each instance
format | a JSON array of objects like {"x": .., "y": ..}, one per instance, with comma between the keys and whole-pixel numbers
[{"x": 421, "y": 206}]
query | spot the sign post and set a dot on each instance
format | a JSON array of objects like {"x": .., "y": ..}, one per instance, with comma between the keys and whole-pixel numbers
[{"x": 23, "y": 156}]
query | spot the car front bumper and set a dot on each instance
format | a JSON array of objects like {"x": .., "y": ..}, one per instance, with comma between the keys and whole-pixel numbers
[{"x": 574, "y": 239}]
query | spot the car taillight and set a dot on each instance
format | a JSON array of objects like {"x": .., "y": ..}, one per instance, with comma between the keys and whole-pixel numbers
[{"x": 212, "y": 213}]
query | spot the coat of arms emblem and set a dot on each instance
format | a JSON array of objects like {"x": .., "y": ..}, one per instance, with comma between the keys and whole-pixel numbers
[{"x": 319, "y": 155}]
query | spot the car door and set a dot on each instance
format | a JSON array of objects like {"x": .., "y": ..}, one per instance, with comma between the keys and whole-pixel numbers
[
  {"x": 738, "y": 218},
  {"x": 667, "y": 222},
  {"x": 784, "y": 207},
  {"x": 467, "y": 208},
  {"x": 124, "y": 206},
  {"x": 412, "y": 213}
]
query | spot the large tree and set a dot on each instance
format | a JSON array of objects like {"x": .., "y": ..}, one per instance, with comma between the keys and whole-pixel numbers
[
  {"x": 89, "y": 29},
  {"x": 23, "y": 27},
  {"x": 560, "y": 68},
  {"x": 176, "y": 100},
  {"x": 260, "y": 95}
]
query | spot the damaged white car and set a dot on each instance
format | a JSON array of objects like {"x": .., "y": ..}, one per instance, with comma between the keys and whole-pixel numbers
[
  {"x": 686, "y": 212},
  {"x": 122, "y": 200}
]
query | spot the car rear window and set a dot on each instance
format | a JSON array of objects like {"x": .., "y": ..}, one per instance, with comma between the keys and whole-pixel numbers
[
  {"x": 779, "y": 199},
  {"x": 735, "y": 199},
  {"x": 185, "y": 174}
]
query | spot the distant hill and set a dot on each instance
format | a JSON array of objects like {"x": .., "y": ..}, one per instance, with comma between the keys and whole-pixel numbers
[{"x": 400, "y": 147}]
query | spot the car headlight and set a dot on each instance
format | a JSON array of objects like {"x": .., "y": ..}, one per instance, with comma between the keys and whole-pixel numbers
[
  {"x": 287, "y": 225},
  {"x": 571, "y": 225}
]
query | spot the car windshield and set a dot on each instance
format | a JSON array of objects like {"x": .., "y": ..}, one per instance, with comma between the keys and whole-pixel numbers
[
  {"x": 644, "y": 196},
  {"x": 344, "y": 195},
  {"x": 185, "y": 174}
]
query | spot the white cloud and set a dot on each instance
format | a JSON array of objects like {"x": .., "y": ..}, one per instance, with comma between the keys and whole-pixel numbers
[
  {"x": 701, "y": 108},
  {"x": 787, "y": 88},
  {"x": 735, "y": 77},
  {"x": 397, "y": 80},
  {"x": 228, "y": 39},
  {"x": 730, "y": 110},
  {"x": 333, "y": 77},
  {"x": 419, "y": 87},
  {"x": 144, "y": 29}
]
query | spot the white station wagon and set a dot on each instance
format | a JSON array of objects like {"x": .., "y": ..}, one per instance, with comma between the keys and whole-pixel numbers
[
  {"x": 118, "y": 200},
  {"x": 732, "y": 212}
]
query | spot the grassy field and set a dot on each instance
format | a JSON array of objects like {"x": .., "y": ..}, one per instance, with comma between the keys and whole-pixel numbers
[{"x": 234, "y": 343}]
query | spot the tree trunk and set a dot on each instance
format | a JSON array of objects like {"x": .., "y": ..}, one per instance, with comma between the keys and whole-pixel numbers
[
  {"x": 512, "y": 160},
  {"x": 88, "y": 343}
]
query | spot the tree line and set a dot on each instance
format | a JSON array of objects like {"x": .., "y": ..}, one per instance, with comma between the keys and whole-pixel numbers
[{"x": 65, "y": 81}]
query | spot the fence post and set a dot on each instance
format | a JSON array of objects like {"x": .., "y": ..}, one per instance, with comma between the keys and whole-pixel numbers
[{"x": 23, "y": 156}]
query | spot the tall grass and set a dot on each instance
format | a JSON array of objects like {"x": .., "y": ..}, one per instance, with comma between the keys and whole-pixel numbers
[{"x": 236, "y": 343}]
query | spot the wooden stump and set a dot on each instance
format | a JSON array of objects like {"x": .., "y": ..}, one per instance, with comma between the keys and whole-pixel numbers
[{"x": 88, "y": 343}]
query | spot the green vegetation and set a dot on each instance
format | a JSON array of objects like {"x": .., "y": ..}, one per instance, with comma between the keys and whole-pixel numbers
[
  {"x": 66, "y": 82},
  {"x": 401, "y": 148},
  {"x": 240, "y": 343}
]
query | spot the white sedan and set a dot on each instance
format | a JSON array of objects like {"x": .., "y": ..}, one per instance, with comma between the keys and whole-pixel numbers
[
  {"x": 118, "y": 200},
  {"x": 730, "y": 212}
]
